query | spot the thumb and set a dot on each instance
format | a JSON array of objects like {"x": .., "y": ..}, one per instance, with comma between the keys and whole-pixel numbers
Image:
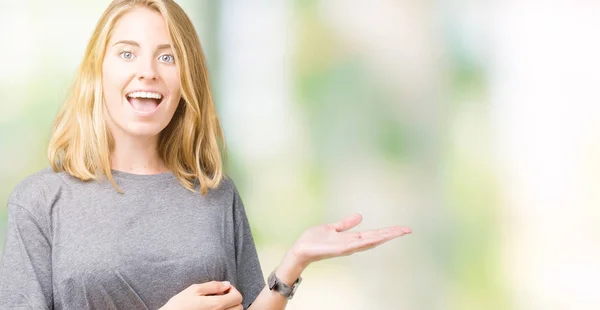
[
  {"x": 347, "y": 222},
  {"x": 210, "y": 288}
]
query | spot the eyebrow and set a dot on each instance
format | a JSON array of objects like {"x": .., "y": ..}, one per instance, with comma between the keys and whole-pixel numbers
[{"x": 130, "y": 42}]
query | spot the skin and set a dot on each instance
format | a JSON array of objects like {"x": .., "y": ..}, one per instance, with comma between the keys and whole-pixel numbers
[
  {"x": 314, "y": 244},
  {"x": 322, "y": 242},
  {"x": 137, "y": 58}
]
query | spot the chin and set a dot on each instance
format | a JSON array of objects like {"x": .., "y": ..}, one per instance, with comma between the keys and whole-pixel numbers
[{"x": 143, "y": 129}]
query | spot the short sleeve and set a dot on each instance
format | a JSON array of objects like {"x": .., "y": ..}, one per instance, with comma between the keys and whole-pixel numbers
[
  {"x": 25, "y": 266},
  {"x": 249, "y": 273}
]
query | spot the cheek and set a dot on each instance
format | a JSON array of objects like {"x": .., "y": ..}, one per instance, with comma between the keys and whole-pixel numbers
[
  {"x": 173, "y": 83},
  {"x": 113, "y": 81}
]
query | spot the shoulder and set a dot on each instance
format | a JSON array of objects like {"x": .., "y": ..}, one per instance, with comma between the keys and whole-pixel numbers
[
  {"x": 234, "y": 199},
  {"x": 37, "y": 189},
  {"x": 227, "y": 192},
  {"x": 227, "y": 184},
  {"x": 226, "y": 187}
]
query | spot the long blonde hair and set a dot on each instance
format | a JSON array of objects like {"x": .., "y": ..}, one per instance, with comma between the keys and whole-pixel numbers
[{"x": 190, "y": 145}]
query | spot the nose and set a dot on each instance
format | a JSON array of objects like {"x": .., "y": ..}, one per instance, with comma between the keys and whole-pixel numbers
[{"x": 147, "y": 70}]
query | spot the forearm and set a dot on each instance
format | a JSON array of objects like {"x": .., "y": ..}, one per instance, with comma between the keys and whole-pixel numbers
[{"x": 288, "y": 271}]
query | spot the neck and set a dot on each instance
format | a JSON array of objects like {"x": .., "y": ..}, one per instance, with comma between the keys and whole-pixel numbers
[{"x": 137, "y": 155}]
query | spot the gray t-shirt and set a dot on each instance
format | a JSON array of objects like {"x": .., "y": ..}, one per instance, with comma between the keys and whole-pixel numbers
[{"x": 82, "y": 245}]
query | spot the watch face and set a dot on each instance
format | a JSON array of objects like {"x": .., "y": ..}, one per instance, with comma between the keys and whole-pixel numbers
[
  {"x": 271, "y": 281},
  {"x": 295, "y": 287}
]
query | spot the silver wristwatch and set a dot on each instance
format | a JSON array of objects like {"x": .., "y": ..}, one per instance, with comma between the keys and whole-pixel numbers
[{"x": 282, "y": 288}]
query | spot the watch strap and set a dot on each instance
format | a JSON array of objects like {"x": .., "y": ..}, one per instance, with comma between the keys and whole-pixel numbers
[{"x": 279, "y": 286}]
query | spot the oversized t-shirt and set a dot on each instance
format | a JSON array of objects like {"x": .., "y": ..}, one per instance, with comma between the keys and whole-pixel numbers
[{"x": 82, "y": 245}]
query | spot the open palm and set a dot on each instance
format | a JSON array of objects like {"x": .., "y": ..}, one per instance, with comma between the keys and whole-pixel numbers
[{"x": 331, "y": 240}]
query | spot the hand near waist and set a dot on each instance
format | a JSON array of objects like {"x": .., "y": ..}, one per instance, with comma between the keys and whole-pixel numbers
[{"x": 206, "y": 296}]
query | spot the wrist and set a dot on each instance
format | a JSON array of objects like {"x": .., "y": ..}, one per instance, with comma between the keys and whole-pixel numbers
[
  {"x": 297, "y": 255},
  {"x": 290, "y": 268}
]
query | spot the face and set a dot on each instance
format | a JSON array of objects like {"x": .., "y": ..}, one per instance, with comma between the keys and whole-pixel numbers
[{"x": 140, "y": 80}]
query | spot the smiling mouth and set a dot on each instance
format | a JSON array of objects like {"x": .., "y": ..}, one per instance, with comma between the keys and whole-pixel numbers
[{"x": 144, "y": 101}]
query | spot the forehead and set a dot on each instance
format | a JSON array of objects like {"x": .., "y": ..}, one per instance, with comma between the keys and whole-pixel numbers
[{"x": 141, "y": 24}]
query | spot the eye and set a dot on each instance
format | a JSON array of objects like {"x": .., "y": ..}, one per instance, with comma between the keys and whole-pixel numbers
[
  {"x": 167, "y": 58},
  {"x": 126, "y": 54}
]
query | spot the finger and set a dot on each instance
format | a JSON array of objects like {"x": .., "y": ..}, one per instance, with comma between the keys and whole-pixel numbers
[
  {"x": 387, "y": 232},
  {"x": 238, "y": 307},
  {"x": 358, "y": 244},
  {"x": 347, "y": 222},
  {"x": 371, "y": 239},
  {"x": 365, "y": 248},
  {"x": 210, "y": 288},
  {"x": 231, "y": 299}
]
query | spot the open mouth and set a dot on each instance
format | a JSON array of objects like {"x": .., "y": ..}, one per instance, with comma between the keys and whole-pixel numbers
[{"x": 144, "y": 101}]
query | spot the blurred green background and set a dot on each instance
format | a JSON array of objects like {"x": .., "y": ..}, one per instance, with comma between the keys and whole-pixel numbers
[{"x": 476, "y": 123}]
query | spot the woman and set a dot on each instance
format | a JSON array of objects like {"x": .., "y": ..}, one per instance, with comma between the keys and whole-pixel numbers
[{"x": 135, "y": 212}]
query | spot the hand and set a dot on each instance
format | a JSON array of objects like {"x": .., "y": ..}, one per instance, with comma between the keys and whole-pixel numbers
[
  {"x": 331, "y": 240},
  {"x": 206, "y": 296}
]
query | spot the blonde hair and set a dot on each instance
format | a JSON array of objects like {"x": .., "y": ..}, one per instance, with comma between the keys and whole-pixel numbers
[{"x": 190, "y": 145}]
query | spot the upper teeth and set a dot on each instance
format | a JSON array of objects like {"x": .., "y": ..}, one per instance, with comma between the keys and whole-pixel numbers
[{"x": 144, "y": 94}]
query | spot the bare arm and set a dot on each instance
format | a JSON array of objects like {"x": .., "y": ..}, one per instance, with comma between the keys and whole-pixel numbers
[
  {"x": 288, "y": 271},
  {"x": 318, "y": 243}
]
